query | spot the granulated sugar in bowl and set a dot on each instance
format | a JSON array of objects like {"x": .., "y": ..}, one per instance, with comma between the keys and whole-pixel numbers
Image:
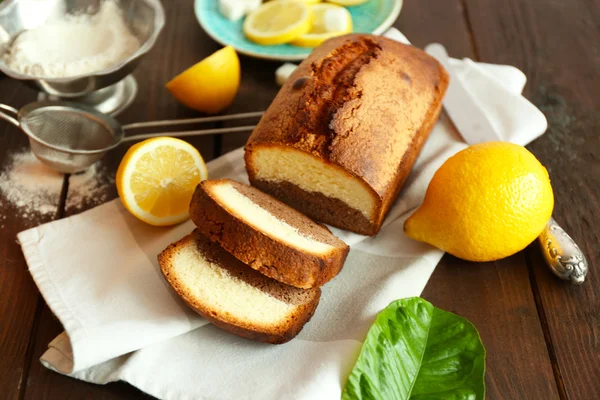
[{"x": 73, "y": 45}]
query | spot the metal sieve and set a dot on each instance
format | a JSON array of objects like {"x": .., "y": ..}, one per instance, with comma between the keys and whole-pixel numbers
[{"x": 69, "y": 137}]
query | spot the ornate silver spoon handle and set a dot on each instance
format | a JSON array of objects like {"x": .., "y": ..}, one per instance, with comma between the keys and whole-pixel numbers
[{"x": 562, "y": 254}]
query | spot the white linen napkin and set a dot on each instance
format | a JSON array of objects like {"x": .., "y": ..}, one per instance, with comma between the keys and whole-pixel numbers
[{"x": 99, "y": 274}]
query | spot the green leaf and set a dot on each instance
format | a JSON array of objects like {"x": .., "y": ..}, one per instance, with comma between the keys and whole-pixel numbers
[{"x": 417, "y": 351}]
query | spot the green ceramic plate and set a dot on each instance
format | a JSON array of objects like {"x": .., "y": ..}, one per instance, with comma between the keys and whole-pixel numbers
[{"x": 374, "y": 16}]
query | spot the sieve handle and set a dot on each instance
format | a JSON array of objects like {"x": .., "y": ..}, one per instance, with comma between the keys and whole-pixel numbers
[
  {"x": 173, "y": 122},
  {"x": 189, "y": 133},
  {"x": 8, "y": 117}
]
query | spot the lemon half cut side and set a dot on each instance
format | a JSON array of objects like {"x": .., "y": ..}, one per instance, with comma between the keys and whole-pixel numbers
[{"x": 157, "y": 178}]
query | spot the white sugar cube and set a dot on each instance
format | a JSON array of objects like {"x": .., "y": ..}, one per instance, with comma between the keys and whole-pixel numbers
[
  {"x": 252, "y": 5},
  {"x": 232, "y": 9},
  {"x": 236, "y": 9},
  {"x": 283, "y": 73}
]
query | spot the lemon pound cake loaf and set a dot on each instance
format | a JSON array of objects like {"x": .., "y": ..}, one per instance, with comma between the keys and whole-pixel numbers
[
  {"x": 232, "y": 295},
  {"x": 266, "y": 234},
  {"x": 345, "y": 129}
]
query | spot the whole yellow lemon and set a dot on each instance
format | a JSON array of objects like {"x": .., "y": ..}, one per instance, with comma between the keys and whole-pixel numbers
[{"x": 486, "y": 202}]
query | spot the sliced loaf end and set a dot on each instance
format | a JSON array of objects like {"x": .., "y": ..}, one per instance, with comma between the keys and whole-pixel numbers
[
  {"x": 233, "y": 296},
  {"x": 323, "y": 191}
]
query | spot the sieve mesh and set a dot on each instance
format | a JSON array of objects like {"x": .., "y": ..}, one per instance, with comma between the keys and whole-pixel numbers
[{"x": 69, "y": 129}]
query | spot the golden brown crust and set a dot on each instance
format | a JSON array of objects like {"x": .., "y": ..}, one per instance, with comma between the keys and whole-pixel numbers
[
  {"x": 364, "y": 103},
  {"x": 273, "y": 334},
  {"x": 284, "y": 333},
  {"x": 269, "y": 256}
]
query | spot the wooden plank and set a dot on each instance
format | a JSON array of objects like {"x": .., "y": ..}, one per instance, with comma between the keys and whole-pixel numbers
[
  {"x": 181, "y": 44},
  {"x": 19, "y": 296},
  {"x": 495, "y": 297},
  {"x": 556, "y": 45}
]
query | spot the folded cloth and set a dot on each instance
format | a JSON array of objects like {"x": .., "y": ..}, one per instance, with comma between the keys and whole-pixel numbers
[{"x": 98, "y": 273}]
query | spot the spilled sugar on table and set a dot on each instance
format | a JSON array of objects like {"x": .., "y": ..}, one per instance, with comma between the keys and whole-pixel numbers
[{"x": 542, "y": 335}]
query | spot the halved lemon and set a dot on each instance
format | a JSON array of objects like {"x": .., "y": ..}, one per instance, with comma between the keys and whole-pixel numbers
[
  {"x": 278, "y": 22},
  {"x": 329, "y": 20},
  {"x": 157, "y": 177},
  {"x": 210, "y": 85}
]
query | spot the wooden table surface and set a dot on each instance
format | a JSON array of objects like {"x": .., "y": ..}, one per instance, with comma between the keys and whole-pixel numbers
[{"x": 542, "y": 335}]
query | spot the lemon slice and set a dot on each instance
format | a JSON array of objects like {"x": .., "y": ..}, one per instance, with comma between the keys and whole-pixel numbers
[
  {"x": 210, "y": 85},
  {"x": 347, "y": 3},
  {"x": 157, "y": 177},
  {"x": 329, "y": 20},
  {"x": 278, "y": 22}
]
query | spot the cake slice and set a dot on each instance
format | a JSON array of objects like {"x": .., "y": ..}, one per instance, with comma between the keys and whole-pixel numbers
[
  {"x": 233, "y": 296},
  {"x": 266, "y": 234}
]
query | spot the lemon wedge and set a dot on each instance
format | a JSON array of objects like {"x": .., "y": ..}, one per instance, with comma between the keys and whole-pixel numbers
[
  {"x": 329, "y": 20},
  {"x": 157, "y": 177},
  {"x": 210, "y": 85},
  {"x": 278, "y": 22}
]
